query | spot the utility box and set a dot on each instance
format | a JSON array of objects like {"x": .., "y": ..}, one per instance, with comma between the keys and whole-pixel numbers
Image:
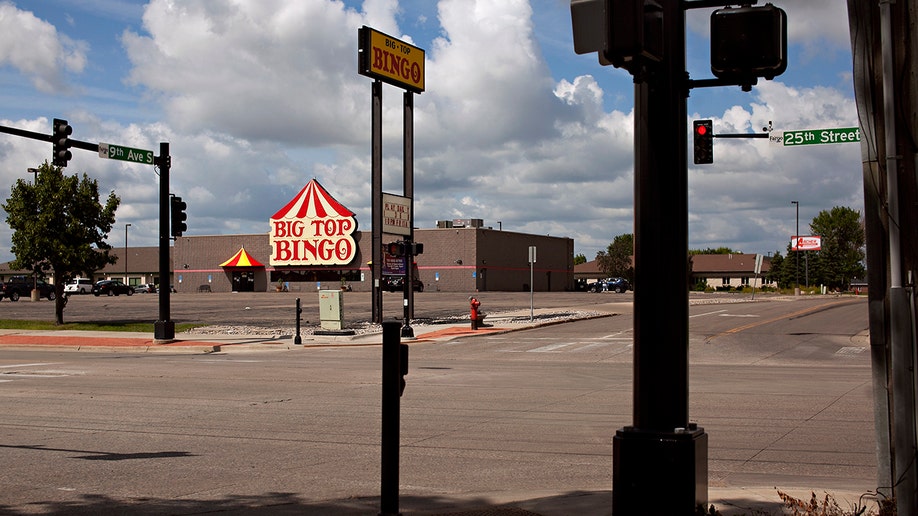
[{"x": 331, "y": 309}]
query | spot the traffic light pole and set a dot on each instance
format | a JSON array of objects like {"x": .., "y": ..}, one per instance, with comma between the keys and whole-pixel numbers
[
  {"x": 662, "y": 452},
  {"x": 164, "y": 327}
]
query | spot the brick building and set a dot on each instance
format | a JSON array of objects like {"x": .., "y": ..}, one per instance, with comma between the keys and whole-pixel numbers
[{"x": 457, "y": 259}]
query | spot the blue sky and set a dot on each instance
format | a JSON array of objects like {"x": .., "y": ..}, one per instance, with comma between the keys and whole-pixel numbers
[{"x": 257, "y": 97}]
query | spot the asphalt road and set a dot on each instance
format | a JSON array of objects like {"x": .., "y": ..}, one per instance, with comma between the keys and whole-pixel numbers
[{"x": 525, "y": 419}]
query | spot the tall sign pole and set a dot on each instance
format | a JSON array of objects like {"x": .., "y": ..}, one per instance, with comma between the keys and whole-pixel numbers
[
  {"x": 408, "y": 186},
  {"x": 376, "y": 194},
  {"x": 396, "y": 62}
]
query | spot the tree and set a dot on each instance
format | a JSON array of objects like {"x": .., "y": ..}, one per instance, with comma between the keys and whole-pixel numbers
[
  {"x": 781, "y": 270},
  {"x": 580, "y": 258},
  {"x": 616, "y": 260},
  {"x": 60, "y": 227},
  {"x": 711, "y": 250},
  {"x": 841, "y": 258}
]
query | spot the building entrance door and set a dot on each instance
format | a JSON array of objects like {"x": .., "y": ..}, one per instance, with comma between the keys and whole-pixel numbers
[{"x": 243, "y": 281}]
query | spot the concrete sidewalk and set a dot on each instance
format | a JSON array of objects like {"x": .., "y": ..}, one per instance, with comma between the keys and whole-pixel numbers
[{"x": 76, "y": 340}]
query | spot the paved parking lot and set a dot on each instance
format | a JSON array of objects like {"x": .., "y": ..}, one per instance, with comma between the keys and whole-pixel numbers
[{"x": 278, "y": 308}]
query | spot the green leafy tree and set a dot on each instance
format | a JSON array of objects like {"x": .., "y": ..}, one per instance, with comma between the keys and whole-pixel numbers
[
  {"x": 781, "y": 271},
  {"x": 841, "y": 258},
  {"x": 60, "y": 227},
  {"x": 616, "y": 259},
  {"x": 711, "y": 250},
  {"x": 580, "y": 258}
]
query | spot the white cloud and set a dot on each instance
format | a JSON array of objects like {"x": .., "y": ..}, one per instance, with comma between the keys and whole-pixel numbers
[
  {"x": 257, "y": 97},
  {"x": 35, "y": 48}
]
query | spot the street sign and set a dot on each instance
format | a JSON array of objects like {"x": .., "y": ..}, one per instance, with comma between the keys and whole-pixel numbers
[
  {"x": 821, "y": 136},
  {"x": 112, "y": 151}
]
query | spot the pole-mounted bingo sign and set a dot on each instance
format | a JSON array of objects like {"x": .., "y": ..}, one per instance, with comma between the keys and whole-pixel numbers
[{"x": 390, "y": 60}]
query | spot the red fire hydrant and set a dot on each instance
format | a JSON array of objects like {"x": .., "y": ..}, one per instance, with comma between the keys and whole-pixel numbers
[{"x": 473, "y": 311}]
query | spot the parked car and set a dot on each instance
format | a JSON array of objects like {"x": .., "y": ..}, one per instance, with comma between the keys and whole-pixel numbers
[
  {"x": 145, "y": 288},
  {"x": 18, "y": 286},
  {"x": 610, "y": 285},
  {"x": 111, "y": 288},
  {"x": 78, "y": 286}
]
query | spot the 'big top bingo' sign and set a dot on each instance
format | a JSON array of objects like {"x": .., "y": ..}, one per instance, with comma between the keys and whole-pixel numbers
[{"x": 313, "y": 229}]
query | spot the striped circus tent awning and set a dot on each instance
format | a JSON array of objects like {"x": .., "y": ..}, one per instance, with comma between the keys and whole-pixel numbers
[{"x": 242, "y": 259}]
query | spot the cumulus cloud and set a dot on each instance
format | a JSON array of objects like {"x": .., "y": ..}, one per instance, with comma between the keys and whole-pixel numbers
[
  {"x": 35, "y": 48},
  {"x": 257, "y": 97}
]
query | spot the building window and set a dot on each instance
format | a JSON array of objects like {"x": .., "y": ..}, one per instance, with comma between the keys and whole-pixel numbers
[{"x": 745, "y": 280}]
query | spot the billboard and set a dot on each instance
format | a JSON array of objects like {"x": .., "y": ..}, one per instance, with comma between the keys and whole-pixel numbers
[
  {"x": 313, "y": 229},
  {"x": 390, "y": 60},
  {"x": 806, "y": 243}
]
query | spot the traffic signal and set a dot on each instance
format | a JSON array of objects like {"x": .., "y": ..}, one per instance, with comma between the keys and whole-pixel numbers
[
  {"x": 748, "y": 42},
  {"x": 396, "y": 248},
  {"x": 417, "y": 248},
  {"x": 625, "y": 33},
  {"x": 704, "y": 142},
  {"x": 178, "y": 216},
  {"x": 60, "y": 142}
]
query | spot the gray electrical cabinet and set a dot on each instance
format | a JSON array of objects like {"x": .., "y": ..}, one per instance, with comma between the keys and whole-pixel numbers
[{"x": 331, "y": 309}]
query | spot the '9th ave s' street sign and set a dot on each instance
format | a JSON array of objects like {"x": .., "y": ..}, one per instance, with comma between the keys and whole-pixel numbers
[{"x": 112, "y": 151}]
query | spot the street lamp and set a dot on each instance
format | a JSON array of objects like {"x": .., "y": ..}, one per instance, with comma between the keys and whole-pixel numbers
[
  {"x": 126, "y": 253},
  {"x": 35, "y": 172},
  {"x": 796, "y": 252}
]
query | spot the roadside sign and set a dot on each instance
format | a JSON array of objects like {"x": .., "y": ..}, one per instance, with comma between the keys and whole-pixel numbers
[
  {"x": 390, "y": 60},
  {"x": 806, "y": 243},
  {"x": 758, "y": 264},
  {"x": 121, "y": 153},
  {"x": 396, "y": 214},
  {"x": 820, "y": 136}
]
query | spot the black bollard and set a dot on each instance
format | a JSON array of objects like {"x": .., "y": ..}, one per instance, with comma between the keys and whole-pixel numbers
[{"x": 299, "y": 311}]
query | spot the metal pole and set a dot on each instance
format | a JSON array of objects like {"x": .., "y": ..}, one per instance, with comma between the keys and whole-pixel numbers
[
  {"x": 902, "y": 342},
  {"x": 164, "y": 328},
  {"x": 662, "y": 452},
  {"x": 796, "y": 251},
  {"x": 391, "y": 406},
  {"x": 408, "y": 189},
  {"x": 376, "y": 196},
  {"x": 126, "y": 226}
]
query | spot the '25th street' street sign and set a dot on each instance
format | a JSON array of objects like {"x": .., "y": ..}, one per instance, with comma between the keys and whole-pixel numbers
[{"x": 817, "y": 136}]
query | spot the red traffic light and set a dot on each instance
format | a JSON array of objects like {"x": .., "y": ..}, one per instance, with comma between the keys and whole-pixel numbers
[{"x": 701, "y": 129}]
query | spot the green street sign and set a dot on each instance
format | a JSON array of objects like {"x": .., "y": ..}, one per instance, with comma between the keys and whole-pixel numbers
[
  {"x": 821, "y": 136},
  {"x": 112, "y": 151}
]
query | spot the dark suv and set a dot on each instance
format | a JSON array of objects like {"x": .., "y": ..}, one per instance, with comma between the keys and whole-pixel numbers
[
  {"x": 610, "y": 285},
  {"x": 18, "y": 286}
]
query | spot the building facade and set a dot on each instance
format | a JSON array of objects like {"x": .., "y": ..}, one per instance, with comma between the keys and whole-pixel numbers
[{"x": 466, "y": 259}]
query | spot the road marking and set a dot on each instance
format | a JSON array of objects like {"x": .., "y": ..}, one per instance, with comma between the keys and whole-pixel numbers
[
  {"x": 707, "y": 313},
  {"x": 788, "y": 316},
  {"x": 551, "y": 347},
  {"x": 850, "y": 350},
  {"x": 738, "y": 315},
  {"x": 36, "y": 364}
]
